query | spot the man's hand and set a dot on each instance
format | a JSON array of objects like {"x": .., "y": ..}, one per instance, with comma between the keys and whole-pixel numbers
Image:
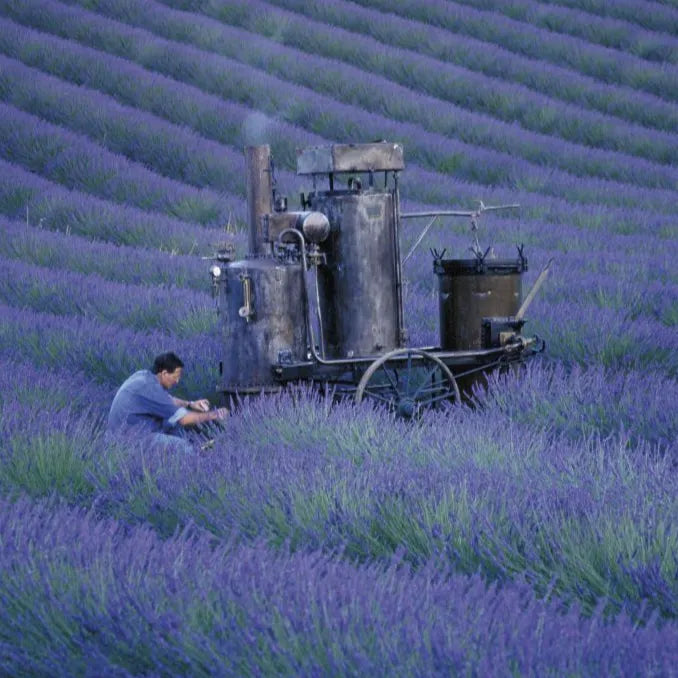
[
  {"x": 202, "y": 405},
  {"x": 220, "y": 413}
]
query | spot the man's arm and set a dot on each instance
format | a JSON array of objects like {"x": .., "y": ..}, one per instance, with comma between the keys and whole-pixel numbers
[
  {"x": 193, "y": 418},
  {"x": 202, "y": 405}
]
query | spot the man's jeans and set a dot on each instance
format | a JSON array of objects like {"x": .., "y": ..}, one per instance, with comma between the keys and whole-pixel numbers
[{"x": 171, "y": 443}]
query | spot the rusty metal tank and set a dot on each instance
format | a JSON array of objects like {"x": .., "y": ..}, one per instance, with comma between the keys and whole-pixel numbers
[
  {"x": 360, "y": 292},
  {"x": 263, "y": 321},
  {"x": 470, "y": 290},
  {"x": 358, "y": 284}
]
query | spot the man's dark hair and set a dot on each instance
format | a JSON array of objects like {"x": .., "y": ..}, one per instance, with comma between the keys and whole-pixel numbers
[{"x": 166, "y": 361}]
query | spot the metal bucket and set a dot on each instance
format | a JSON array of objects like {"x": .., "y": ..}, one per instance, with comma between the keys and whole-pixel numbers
[{"x": 472, "y": 289}]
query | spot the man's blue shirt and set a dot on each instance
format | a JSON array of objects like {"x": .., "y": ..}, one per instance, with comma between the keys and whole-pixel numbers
[{"x": 142, "y": 401}]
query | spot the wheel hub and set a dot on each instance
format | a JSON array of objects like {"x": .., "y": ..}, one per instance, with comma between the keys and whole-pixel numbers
[{"x": 406, "y": 407}]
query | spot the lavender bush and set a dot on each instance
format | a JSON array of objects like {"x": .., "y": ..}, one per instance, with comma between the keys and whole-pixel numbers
[
  {"x": 661, "y": 19},
  {"x": 475, "y": 55},
  {"x": 71, "y": 160},
  {"x": 107, "y": 352},
  {"x": 606, "y": 31},
  {"x": 521, "y": 38},
  {"x": 349, "y": 84},
  {"x": 185, "y": 105}
]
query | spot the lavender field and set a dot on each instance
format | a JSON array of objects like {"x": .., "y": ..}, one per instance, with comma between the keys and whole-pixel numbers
[{"x": 532, "y": 534}]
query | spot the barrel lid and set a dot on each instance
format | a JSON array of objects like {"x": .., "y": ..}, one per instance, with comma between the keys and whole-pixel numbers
[{"x": 479, "y": 266}]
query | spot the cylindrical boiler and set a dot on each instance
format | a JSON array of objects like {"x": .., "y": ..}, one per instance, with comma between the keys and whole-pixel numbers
[
  {"x": 359, "y": 294},
  {"x": 263, "y": 322},
  {"x": 472, "y": 289}
]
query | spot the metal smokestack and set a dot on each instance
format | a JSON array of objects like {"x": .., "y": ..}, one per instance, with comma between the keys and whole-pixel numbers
[{"x": 259, "y": 195}]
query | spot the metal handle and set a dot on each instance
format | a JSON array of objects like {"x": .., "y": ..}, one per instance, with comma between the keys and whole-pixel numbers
[
  {"x": 246, "y": 311},
  {"x": 534, "y": 290}
]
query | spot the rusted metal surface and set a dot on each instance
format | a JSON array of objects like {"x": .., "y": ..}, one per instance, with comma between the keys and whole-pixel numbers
[
  {"x": 259, "y": 195},
  {"x": 337, "y": 158},
  {"x": 469, "y": 291},
  {"x": 272, "y": 328},
  {"x": 358, "y": 286}
]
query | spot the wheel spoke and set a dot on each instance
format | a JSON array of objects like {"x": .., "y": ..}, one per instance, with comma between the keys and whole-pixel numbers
[
  {"x": 377, "y": 396},
  {"x": 394, "y": 384},
  {"x": 408, "y": 374},
  {"x": 424, "y": 382},
  {"x": 444, "y": 396}
]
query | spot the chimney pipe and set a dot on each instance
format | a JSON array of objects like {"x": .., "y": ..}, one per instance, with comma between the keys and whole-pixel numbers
[{"x": 259, "y": 195}]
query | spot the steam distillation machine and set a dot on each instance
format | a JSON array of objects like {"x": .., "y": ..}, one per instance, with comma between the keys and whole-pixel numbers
[{"x": 319, "y": 296}]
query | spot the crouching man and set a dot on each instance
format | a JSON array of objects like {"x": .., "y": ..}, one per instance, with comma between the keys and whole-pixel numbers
[{"x": 144, "y": 403}]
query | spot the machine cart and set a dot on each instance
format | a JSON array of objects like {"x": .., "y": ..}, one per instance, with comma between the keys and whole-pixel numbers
[{"x": 318, "y": 297}]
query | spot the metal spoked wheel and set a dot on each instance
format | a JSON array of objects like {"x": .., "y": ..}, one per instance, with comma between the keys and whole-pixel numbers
[{"x": 408, "y": 380}]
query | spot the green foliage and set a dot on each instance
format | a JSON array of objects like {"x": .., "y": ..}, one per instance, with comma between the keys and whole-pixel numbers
[{"x": 42, "y": 465}]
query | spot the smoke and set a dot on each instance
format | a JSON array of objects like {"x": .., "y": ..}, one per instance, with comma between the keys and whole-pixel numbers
[{"x": 257, "y": 129}]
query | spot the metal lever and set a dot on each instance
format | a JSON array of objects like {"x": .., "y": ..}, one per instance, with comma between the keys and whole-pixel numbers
[
  {"x": 246, "y": 311},
  {"x": 534, "y": 290},
  {"x": 420, "y": 238}
]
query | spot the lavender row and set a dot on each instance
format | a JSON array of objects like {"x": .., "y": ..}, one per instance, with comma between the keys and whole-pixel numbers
[
  {"x": 143, "y": 90},
  {"x": 619, "y": 34},
  {"x": 26, "y": 388},
  {"x": 496, "y": 497},
  {"x": 76, "y": 162},
  {"x": 635, "y": 297},
  {"x": 170, "y": 149},
  {"x": 447, "y": 193},
  {"x": 606, "y": 65},
  {"x": 493, "y": 61},
  {"x": 24, "y": 195},
  {"x": 48, "y": 422},
  {"x": 581, "y": 402},
  {"x": 96, "y": 594},
  {"x": 106, "y": 353},
  {"x": 649, "y": 15},
  {"x": 349, "y": 84},
  {"x": 178, "y": 312},
  {"x": 57, "y": 250},
  {"x": 476, "y": 165},
  {"x": 593, "y": 335}
]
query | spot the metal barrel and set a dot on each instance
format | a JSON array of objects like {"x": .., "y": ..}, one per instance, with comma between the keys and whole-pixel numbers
[{"x": 472, "y": 289}]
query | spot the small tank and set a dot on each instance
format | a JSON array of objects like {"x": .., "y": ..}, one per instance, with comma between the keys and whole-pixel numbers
[
  {"x": 263, "y": 322},
  {"x": 470, "y": 291}
]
